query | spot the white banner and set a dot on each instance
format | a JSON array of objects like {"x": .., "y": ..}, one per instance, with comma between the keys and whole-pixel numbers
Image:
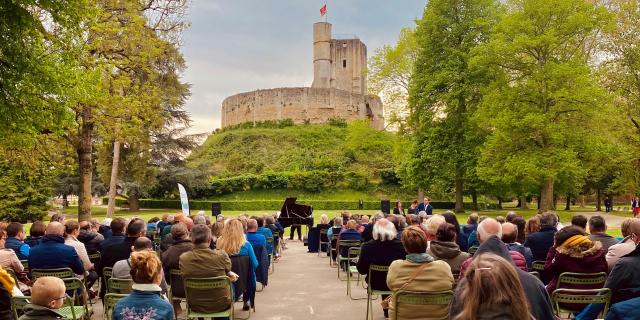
[{"x": 184, "y": 200}]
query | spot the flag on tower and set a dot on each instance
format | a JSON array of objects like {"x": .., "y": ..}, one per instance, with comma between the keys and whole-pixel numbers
[{"x": 323, "y": 10}]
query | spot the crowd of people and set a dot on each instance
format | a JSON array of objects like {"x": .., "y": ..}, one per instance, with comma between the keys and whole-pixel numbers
[
  {"x": 488, "y": 263},
  {"x": 156, "y": 255}
]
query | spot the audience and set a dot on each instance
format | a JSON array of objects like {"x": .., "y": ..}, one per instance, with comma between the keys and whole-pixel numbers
[
  {"x": 9, "y": 260},
  {"x": 520, "y": 224},
  {"x": 89, "y": 236},
  {"x": 419, "y": 271},
  {"x": 122, "y": 268},
  {"x": 15, "y": 240},
  {"x": 367, "y": 233},
  {"x": 266, "y": 232},
  {"x": 532, "y": 226},
  {"x": 118, "y": 247},
  {"x": 53, "y": 253},
  {"x": 573, "y": 251},
  {"x": 35, "y": 234},
  {"x": 490, "y": 289},
  {"x": 431, "y": 226},
  {"x": 145, "y": 300},
  {"x": 171, "y": 259},
  {"x": 71, "y": 233},
  {"x": 622, "y": 248},
  {"x": 579, "y": 221},
  {"x": 203, "y": 262},
  {"x": 509, "y": 236},
  {"x": 350, "y": 234},
  {"x": 451, "y": 218},
  {"x": 445, "y": 248},
  {"x": 47, "y": 296},
  {"x": 382, "y": 250},
  {"x": 540, "y": 242},
  {"x": 598, "y": 230}
]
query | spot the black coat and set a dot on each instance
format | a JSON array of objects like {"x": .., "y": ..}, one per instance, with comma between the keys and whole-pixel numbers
[
  {"x": 624, "y": 279},
  {"x": 367, "y": 233},
  {"x": 379, "y": 253},
  {"x": 540, "y": 242}
]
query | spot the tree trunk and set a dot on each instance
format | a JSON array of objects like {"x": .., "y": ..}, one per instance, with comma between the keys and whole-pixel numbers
[
  {"x": 474, "y": 200},
  {"x": 84, "y": 150},
  {"x": 598, "y": 196},
  {"x": 568, "y": 205},
  {"x": 134, "y": 201},
  {"x": 111, "y": 207},
  {"x": 546, "y": 195},
  {"x": 582, "y": 200},
  {"x": 459, "y": 187},
  {"x": 420, "y": 195},
  {"x": 523, "y": 202}
]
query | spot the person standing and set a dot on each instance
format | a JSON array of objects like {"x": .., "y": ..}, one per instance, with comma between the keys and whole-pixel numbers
[
  {"x": 608, "y": 204},
  {"x": 635, "y": 206}
]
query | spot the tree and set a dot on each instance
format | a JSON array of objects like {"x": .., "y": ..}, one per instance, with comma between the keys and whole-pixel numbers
[
  {"x": 444, "y": 92},
  {"x": 390, "y": 70},
  {"x": 545, "y": 104}
]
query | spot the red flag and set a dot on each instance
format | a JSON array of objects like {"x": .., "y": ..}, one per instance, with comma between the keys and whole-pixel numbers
[{"x": 323, "y": 10}]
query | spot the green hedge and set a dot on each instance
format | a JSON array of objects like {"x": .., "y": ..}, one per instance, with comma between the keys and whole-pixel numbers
[{"x": 276, "y": 205}]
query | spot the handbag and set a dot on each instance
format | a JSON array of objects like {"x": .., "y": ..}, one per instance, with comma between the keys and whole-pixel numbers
[{"x": 385, "y": 303}]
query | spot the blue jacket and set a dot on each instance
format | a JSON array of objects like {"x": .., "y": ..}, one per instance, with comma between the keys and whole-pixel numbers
[
  {"x": 52, "y": 253},
  {"x": 113, "y": 239},
  {"x": 20, "y": 248},
  {"x": 266, "y": 232},
  {"x": 428, "y": 208},
  {"x": 540, "y": 242},
  {"x": 143, "y": 305},
  {"x": 33, "y": 241},
  {"x": 256, "y": 239},
  {"x": 626, "y": 310}
]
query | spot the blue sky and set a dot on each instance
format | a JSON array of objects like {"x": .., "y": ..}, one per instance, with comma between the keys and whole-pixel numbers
[{"x": 235, "y": 46}]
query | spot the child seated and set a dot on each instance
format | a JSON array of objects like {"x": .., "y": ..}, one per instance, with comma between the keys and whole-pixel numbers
[{"x": 47, "y": 295}]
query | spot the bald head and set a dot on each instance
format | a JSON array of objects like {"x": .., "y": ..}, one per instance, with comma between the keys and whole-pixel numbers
[
  {"x": 142, "y": 243},
  {"x": 55, "y": 228},
  {"x": 509, "y": 232},
  {"x": 252, "y": 225},
  {"x": 487, "y": 228}
]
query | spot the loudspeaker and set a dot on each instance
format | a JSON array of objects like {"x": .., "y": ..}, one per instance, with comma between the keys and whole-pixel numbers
[
  {"x": 216, "y": 208},
  {"x": 385, "y": 206}
]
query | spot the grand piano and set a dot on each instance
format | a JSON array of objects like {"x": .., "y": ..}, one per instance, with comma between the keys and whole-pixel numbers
[{"x": 295, "y": 214}]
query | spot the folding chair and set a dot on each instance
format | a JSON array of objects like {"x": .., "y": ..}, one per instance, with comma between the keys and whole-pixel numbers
[
  {"x": 17, "y": 304},
  {"x": 420, "y": 298},
  {"x": 472, "y": 250},
  {"x": 70, "y": 309},
  {"x": 110, "y": 300},
  {"x": 173, "y": 274},
  {"x": 272, "y": 267},
  {"x": 25, "y": 264},
  {"x": 339, "y": 259},
  {"x": 580, "y": 297},
  {"x": 353, "y": 255},
  {"x": 535, "y": 273},
  {"x": 61, "y": 273},
  {"x": 332, "y": 250},
  {"x": 538, "y": 265},
  {"x": 95, "y": 256},
  {"x": 323, "y": 232},
  {"x": 371, "y": 292},
  {"x": 594, "y": 280},
  {"x": 119, "y": 286},
  {"x": 197, "y": 287}
]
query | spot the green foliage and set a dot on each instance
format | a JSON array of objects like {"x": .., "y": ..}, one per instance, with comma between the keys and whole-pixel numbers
[{"x": 273, "y": 124}]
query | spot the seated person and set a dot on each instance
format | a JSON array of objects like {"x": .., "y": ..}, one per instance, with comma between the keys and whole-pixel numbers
[
  {"x": 445, "y": 248},
  {"x": 203, "y": 262},
  {"x": 145, "y": 299},
  {"x": 270, "y": 223},
  {"x": 266, "y": 232},
  {"x": 89, "y": 236},
  {"x": 171, "y": 259},
  {"x": 253, "y": 237},
  {"x": 122, "y": 268},
  {"x": 47, "y": 295},
  {"x": 35, "y": 234},
  {"x": 350, "y": 234},
  {"x": 52, "y": 253},
  {"x": 9, "y": 260},
  {"x": 15, "y": 240}
]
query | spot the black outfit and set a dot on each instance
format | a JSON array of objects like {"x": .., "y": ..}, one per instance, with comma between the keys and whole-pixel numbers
[
  {"x": 171, "y": 260},
  {"x": 33, "y": 241},
  {"x": 367, "y": 233},
  {"x": 379, "y": 253},
  {"x": 323, "y": 237},
  {"x": 91, "y": 240},
  {"x": 536, "y": 294},
  {"x": 113, "y": 251},
  {"x": 540, "y": 242},
  {"x": 398, "y": 211},
  {"x": 293, "y": 229}
]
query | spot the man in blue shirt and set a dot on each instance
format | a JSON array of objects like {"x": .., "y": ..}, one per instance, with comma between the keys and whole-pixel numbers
[
  {"x": 266, "y": 232},
  {"x": 52, "y": 253},
  {"x": 253, "y": 237},
  {"x": 15, "y": 240},
  {"x": 425, "y": 206}
]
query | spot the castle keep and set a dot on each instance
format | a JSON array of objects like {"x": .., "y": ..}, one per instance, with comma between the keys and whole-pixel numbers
[{"x": 339, "y": 89}]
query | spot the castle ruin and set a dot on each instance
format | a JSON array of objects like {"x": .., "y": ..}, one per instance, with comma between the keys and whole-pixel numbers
[{"x": 338, "y": 91}]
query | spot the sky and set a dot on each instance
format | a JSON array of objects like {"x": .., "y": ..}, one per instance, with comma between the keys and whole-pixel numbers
[{"x": 235, "y": 46}]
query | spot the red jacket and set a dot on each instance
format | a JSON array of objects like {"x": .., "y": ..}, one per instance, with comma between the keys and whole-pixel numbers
[
  {"x": 517, "y": 257},
  {"x": 579, "y": 259}
]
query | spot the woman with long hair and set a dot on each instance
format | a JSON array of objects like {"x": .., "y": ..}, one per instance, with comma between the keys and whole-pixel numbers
[
  {"x": 233, "y": 242},
  {"x": 145, "y": 301},
  {"x": 491, "y": 289}
]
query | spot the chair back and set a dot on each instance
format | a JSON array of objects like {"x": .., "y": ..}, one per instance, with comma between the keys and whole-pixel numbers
[
  {"x": 537, "y": 265},
  {"x": 95, "y": 256},
  {"x": 120, "y": 286},
  {"x": 323, "y": 235},
  {"x": 25, "y": 264},
  {"x": 61, "y": 273},
  {"x": 472, "y": 250},
  {"x": 177, "y": 283},
  {"x": 589, "y": 280},
  {"x": 380, "y": 271},
  {"x": 17, "y": 304},
  {"x": 201, "y": 288},
  {"x": 348, "y": 244},
  {"x": 401, "y": 298},
  {"x": 107, "y": 272},
  {"x": 78, "y": 297},
  {"x": 354, "y": 252},
  {"x": 110, "y": 300},
  {"x": 580, "y": 298},
  {"x": 535, "y": 273},
  {"x": 12, "y": 274}
]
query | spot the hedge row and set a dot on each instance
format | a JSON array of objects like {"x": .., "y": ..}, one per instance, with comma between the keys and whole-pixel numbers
[{"x": 276, "y": 205}]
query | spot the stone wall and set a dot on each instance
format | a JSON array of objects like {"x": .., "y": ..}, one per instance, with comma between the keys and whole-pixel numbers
[{"x": 302, "y": 105}]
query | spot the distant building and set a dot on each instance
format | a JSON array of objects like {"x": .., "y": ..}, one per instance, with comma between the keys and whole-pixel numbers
[{"x": 338, "y": 91}]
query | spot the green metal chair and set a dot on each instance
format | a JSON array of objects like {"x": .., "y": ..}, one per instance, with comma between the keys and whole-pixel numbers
[
  {"x": 537, "y": 265},
  {"x": 110, "y": 300},
  {"x": 61, "y": 273},
  {"x": 119, "y": 286},
  {"x": 420, "y": 298},
  {"x": 353, "y": 255},
  {"x": 332, "y": 251},
  {"x": 276, "y": 235},
  {"x": 597, "y": 280},
  {"x": 580, "y": 297},
  {"x": 371, "y": 292},
  {"x": 347, "y": 260},
  {"x": 95, "y": 256},
  {"x": 17, "y": 304},
  {"x": 320, "y": 242},
  {"x": 272, "y": 267},
  {"x": 25, "y": 264},
  {"x": 12, "y": 274},
  {"x": 535, "y": 273},
  {"x": 76, "y": 306},
  {"x": 472, "y": 250},
  {"x": 199, "y": 287},
  {"x": 173, "y": 273}
]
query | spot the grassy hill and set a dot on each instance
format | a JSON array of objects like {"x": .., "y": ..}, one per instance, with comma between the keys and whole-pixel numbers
[{"x": 310, "y": 152}]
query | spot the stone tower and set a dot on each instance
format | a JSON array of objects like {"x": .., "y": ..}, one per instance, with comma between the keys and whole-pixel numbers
[{"x": 338, "y": 63}]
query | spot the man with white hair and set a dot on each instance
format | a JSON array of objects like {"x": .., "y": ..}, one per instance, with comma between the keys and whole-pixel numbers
[
  {"x": 382, "y": 250},
  {"x": 489, "y": 234}
]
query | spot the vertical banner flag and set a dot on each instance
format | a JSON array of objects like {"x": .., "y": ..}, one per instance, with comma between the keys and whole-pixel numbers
[
  {"x": 323, "y": 10},
  {"x": 184, "y": 200}
]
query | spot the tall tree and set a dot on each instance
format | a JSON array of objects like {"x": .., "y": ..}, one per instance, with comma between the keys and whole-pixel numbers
[
  {"x": 444, "y": 92},
  {"x": 545, "y": 103}
]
